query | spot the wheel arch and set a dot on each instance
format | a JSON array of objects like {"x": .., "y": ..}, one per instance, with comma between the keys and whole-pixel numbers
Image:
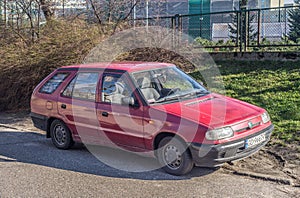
[
  {"x": 49, "y": 122},
  {"x": 162, "y": 135}
]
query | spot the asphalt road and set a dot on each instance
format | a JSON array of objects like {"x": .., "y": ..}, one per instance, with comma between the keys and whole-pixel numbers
[{"x": 30, "y": 166}]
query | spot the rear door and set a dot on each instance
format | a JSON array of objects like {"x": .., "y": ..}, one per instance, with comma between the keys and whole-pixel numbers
[{"x": 77, "y": 105}]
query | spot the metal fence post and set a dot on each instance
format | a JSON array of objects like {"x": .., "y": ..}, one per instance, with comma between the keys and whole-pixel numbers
[
  {"x": 176, "y": 27},
  {"x": 245, "y": 32},
  {"x": 172, "y": 23},
  {"x": 241, "y": 29},
  {"x": 285, "y": 25},
  {"x": 173, "y": 27},
  {"x": 258, "y": 27},
  {"x": 180, "y": 23},
  {"x": 180, "y": 28},
  {"x": 248, "y": 29},
  {"x": 237, "y": 29}
]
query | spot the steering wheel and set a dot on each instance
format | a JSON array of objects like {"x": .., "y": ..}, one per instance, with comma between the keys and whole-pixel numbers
[{"x": 172, "y": 91}]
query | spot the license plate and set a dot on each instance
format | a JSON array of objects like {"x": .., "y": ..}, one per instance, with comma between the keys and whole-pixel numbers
[{"x": 255, "y": 140}]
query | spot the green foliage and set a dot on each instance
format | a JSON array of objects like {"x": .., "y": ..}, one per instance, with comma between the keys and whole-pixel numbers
[
  {"x": 204, "y": 42},
  {"x": 294, "y": 23},
  {"x": 284, "y": 45},
  {"x": 229, "y": 44},
  {"x": 272, "y": 85}
]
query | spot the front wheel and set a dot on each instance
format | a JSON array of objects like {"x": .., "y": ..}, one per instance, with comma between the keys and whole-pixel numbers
[
  {"x": 61, "y": 135},
  {"x": 174, "y": 156}
]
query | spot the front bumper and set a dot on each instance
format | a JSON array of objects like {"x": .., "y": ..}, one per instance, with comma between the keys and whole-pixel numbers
[{"x": 215, "y": 155}]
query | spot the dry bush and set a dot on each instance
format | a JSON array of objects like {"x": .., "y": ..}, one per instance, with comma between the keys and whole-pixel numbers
[
  {"x": 23, "y": 67},
  {"x": 60, "y": 43},
  {"x": 157, "y": 55}
]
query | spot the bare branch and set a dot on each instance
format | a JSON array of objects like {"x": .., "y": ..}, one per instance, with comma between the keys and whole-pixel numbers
[
  {"x": 121, "y": 19},
  {"x": 95, "y": 11}
]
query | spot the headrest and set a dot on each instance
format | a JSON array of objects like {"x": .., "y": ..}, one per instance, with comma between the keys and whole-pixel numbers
[{"x": 144, "y": 83}]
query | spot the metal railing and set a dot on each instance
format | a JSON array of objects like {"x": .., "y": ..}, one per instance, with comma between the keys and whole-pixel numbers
[{"x": 240, "y": 30}]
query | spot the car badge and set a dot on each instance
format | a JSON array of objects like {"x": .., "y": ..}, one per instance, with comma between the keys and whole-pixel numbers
[{"x": 250, "y": 125}]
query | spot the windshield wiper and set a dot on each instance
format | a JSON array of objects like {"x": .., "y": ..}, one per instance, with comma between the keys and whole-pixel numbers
[
  {"x": 167, "y": 98},
  {"x": 194, "y": 93},
  {"x": 178, "y": 96}
]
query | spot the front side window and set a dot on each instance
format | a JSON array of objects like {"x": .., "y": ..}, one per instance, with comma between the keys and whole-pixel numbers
[
  {"x": 115, "y": 88},
  {"x": 51, "y": 85},
  {"x": 83, "y": 86}
]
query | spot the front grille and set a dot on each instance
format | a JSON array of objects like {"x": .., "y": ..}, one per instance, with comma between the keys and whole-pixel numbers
[{"x": 247, "y": 128}]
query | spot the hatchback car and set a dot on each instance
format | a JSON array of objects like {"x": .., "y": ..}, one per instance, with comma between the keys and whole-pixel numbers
[{"x": 148, "y": 107}]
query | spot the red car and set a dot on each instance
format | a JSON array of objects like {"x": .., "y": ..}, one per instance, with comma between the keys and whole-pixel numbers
[{"x": 146, "y": 107}]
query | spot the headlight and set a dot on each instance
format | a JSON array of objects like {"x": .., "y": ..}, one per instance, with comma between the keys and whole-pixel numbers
[
  {"x": 218, "y": 134},
  {"x": 265, "y": 117}
]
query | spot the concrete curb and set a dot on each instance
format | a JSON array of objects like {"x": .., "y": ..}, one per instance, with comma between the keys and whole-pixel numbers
[{"x": 280, "y": 180}]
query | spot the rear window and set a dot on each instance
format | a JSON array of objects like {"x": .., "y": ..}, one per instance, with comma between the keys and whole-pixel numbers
[{"x": 51, "y": 85}]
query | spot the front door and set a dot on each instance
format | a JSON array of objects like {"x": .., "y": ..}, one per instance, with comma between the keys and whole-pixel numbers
[{"x": 120, "y": 123}]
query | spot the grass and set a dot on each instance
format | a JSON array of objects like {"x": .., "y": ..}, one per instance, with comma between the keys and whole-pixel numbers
[{"x": 272, "y": 85}]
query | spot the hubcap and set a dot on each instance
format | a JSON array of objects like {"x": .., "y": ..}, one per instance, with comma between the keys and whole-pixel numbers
[
  {"x": 172, "y": 157},
  {"x": 60, "y": 135}
]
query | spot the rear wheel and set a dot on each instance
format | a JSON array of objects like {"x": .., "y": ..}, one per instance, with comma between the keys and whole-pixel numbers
[
  {"x": 61, "y": 135},
  {"x": 174, "y": 156}
]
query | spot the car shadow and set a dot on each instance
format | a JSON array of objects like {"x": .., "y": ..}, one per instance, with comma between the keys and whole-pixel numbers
[
  {"x": 11, "y": 118},
  {"x": 34, "y": 148}
]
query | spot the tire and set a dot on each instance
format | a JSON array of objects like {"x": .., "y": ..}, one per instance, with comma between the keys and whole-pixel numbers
[
  {"x": 174, "y": 156},
  {"x": 61, "y": 135}
]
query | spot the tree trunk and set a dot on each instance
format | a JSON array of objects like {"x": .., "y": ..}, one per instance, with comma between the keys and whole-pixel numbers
[
  {"x": 5, "y": 13},
  {"x": 47, "y": 9}
]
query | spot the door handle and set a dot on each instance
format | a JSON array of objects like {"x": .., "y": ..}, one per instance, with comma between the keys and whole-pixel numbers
[
  {"x": 63, "y": 106},
  {"x": 105, "y": 114}
]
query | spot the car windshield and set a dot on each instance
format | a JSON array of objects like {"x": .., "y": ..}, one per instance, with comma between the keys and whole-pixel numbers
[{"x": 167, "y": 85}]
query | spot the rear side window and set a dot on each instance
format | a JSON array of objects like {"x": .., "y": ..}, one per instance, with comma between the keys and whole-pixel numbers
[
  {"x": 83, "y": 86},
  {"x": 51, "y": 85}
]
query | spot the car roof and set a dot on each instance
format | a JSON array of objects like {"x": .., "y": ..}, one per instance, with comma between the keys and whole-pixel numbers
[{"x": 129, "y": 66}]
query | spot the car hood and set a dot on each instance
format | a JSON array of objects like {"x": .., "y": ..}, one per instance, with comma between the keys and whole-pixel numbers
[{"x": 212, "y": 110}]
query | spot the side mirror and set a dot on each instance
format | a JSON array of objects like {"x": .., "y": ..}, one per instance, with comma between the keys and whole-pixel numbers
[{"x": 129, "y": 101}]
